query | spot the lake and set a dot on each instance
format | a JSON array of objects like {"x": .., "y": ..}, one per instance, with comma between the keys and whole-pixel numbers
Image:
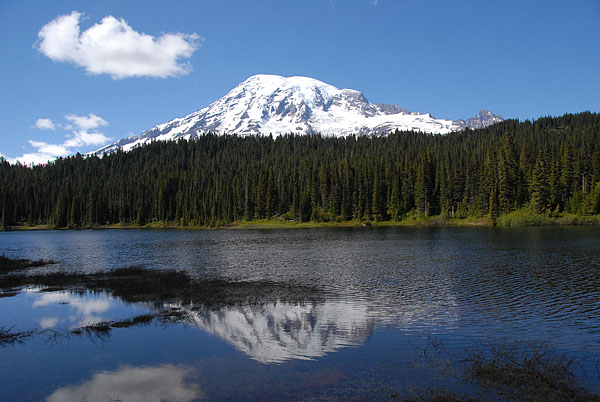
[{"x": 303, "y": 314}]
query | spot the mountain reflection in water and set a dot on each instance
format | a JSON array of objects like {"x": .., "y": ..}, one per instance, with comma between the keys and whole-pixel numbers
[
  {"x": 281, "y": 331},
  {"x": 269, "y": 322}
]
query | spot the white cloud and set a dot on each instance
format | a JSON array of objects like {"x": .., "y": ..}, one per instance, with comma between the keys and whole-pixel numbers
[
  {"x": 36, "y": 158},
  {"x": 88, "y": 122},
  {"x": 113, "y": 47},
  {"x": 49, "y": 149},
  {"x": 83, "y": 133},
  {"x": 45, "y": 124},
  {"x": 82, "y": 137}
]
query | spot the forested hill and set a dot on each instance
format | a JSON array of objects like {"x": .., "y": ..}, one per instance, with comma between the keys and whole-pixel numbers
[{"x": 550, "y": 165}]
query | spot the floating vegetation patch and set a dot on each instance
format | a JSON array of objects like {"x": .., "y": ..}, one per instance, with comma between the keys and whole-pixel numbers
[
  {"x": 137, "y": 284},
  {"x": 526, "y": 371},
  {"x": 8, "y": 337},
  {"x": 500, "y": 370},
  {"x": 138, "y": 320},
  {"x": 18, "y": 264}
]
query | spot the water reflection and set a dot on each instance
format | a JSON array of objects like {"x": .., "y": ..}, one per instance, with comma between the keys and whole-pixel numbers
[
  {"x": 55, "y": 311},
  {"x": 134, "y": 384},
  {"x": 278, "y": 296},
  {"x": 48, "y": 323},
  {"x": 270, "y": 322},
  {"x": 282, "y": 331},
  {"x": 83, "y": 310}
]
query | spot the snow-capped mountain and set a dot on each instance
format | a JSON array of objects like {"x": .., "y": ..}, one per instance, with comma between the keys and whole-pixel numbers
[
  {"x": 483, "y": 119},
  {"x": 271, "y": 104}
]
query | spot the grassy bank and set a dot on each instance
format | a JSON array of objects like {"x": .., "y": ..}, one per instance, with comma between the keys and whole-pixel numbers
[
  {"x": 524, "y": 217},
  {"x": 521, "y": 217}
]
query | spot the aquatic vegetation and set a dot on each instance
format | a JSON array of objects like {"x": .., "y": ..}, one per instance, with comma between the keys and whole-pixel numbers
[
  {"x": 7, "y": 337},
  {"x": 501, "y": 370},
  {"x": 16, "y": 264},
  {"x": 526, "y": 371}
]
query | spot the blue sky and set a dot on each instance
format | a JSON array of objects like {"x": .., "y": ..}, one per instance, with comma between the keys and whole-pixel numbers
[{"x": 65, "y": 91}]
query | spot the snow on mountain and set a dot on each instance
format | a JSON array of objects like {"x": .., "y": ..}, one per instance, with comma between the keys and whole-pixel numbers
[
  {"x": 271, "y": 104},
  {"x": 483, "y": 119}
]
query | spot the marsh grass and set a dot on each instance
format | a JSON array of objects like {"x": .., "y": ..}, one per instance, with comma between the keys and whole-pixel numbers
[
  {"x": 7, "y": 337},
  {"x": 526, "y": 372},
  {"x": 138, "y": 320},
  {"x": 521, "y": 217},
  {"x": 136, "y": 284},
  {"x": 105, "y": 327},
  {"x": 500, "y": 370},
  {"x": 154, "y": 288},
  {"x": 16, "y": 264},
  {"x": 99, "y": 328}
]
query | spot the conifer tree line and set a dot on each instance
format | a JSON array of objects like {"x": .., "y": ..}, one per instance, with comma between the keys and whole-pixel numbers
[{"x": 549, "y": 165}]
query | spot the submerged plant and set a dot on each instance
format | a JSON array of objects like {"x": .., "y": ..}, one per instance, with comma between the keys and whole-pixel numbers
[
  {"x": 526, "y": 371},
  {"x": 7, "y": 337}
]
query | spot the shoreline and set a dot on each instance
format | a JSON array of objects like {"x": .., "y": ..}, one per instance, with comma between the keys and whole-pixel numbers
[{"x": 514, "y": 219}]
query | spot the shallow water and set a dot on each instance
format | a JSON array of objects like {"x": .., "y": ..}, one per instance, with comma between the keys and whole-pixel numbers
[{"x": 297, "y": 314}]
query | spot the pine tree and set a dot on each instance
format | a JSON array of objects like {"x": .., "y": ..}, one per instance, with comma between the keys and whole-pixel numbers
[
  {"x": 567, "y": 176},
  {"x": 507, "y": 175},
  {"x": 424, "y": 188},
  {"x": 378, "y": 206},
  {"x": 261, "y": 197},
  {"x": 248, "y": 199},
  {"x": 396, "y": 211},
  {"x": 524, "y": 173},
  {"x": 493, "y": 206},
  {"x": 540, "y": 194},
  {"x": 3, "y": 221},
  {"x": 347, "y": 199}
]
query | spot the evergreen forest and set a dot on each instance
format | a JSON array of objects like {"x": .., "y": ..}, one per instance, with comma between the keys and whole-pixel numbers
[{"x": 547, "y": 167}]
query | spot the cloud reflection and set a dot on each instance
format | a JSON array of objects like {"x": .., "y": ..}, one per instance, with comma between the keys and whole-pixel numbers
[
  {"x": 85, "y": 310},
  {"x": 49, "y": 322},
  {"x": 134, "y": 384}
]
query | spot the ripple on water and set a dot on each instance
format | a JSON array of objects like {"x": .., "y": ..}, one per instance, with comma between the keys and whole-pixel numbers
[{"x": 515, "y": 282}]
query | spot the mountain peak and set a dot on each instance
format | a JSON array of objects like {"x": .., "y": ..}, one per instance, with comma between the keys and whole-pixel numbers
[
  {"x": 266, "y": 104},
  {"x": 483, "y": 119}
]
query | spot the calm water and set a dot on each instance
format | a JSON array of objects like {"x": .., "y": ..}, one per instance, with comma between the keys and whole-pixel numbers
[{"x": 298, "y": 314}]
